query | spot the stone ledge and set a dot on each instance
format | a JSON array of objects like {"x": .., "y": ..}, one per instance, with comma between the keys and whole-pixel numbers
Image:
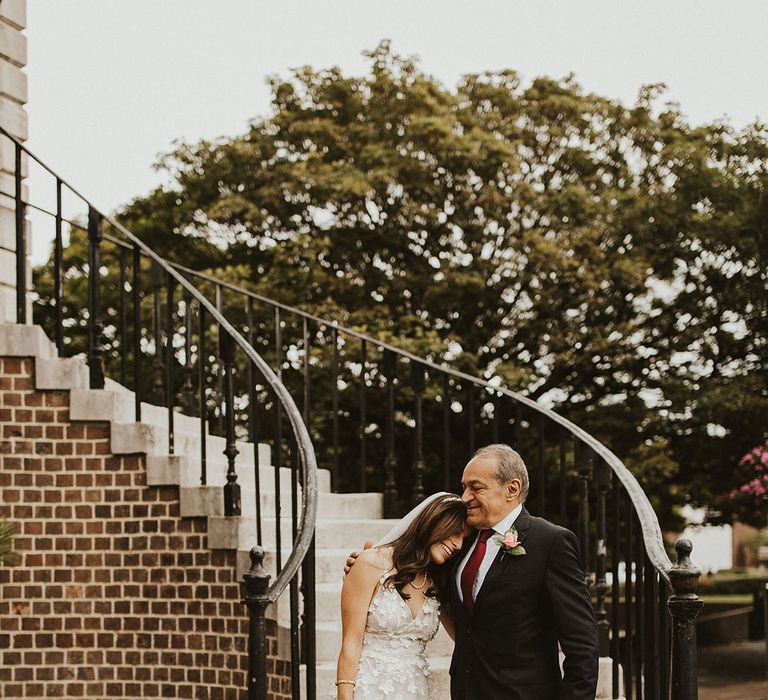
[
  {"x": 60, "y": 373},
  {"x": 14, "y": 12}
]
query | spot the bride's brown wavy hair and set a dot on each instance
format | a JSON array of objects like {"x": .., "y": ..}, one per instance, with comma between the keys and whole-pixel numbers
[{"x": 442, "y": 518}]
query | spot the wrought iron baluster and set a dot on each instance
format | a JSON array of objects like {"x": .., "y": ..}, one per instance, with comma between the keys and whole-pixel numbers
[
  {"x": 310, "y": 653},
  {"x": 447, "y": 475},
  {"x": 21, "y": 241},
  {"x": 585, "y": 472},
  {"x": 219, "y": 417},
  {"x": 58, "y": 272},
  {"x": 295, "y": 630},
  {"x": 95, "y": 325},
  {"x": 187, "y": 392},
  {"x": 496, "y": 401},
  {"x": 277, "y": 457},
  {"x": 563, "y": 462},
  {"x": 253, "y": 422},
  {"x": 307, "y": 350},
  {"x": 615, "y": 585},
  {"x": 601, "y": 584},
  {"x": 201, "y": 361},
  {"x": 137, "y": 331},
  {"x": 629, "y": 621},
  {"x": 158, "y": 391},
  {"x": 664, "y": 641},
  {"x": 363, "y": 417},
  {"x": 231, "y": 488},
  {"x": 335, "y": 408},
  {"x": 517, "y": 423},
  {"x": 471, "y": 419},
  {"x": 122, "y": 313},
  {"x": 541, "y": 467},
  {"x": 169, "y": 393},
  {"x": 640, "y": 660},
  {"x": 391, "y": 495},
  {"x": 417, "y": 381},
  {"x": 651, "y": 595}
]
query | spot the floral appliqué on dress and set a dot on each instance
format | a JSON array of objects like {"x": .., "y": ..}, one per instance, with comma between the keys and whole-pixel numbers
[{"x": 393, "y": 665}]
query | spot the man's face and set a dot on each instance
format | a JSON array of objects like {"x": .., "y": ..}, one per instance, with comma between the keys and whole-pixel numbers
[{"x": 486, "y": 499}]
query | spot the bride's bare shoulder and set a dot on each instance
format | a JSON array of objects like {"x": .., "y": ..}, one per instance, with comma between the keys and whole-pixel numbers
[{"x": 379, "y": 558}]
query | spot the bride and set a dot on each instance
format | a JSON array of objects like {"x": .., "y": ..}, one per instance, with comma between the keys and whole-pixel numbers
[{"x": 393, "y": 600}]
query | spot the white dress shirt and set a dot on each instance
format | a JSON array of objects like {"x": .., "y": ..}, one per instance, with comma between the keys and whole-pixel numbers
[{"x": 491, "y": 550}]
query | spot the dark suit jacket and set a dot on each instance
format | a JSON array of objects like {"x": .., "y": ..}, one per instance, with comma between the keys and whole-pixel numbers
[{"x": 507, "y": 648}]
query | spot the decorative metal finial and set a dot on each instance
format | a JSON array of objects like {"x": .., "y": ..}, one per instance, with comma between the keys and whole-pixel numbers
[{"x": 684, "y": 575}]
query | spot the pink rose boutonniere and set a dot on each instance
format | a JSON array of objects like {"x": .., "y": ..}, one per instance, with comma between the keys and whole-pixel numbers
[{"x": 510, "y": 542}]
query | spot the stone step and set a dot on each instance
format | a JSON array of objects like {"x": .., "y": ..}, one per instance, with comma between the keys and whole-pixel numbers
[
  {"x": 440, "y": 679},
  {"x": 18, "y": 340},
  {"x": 328, "y": 601},
  {"x": 60, "y": 373},
  {"x": 352, "y": 506},
  {"x": 346, "y": 534}
]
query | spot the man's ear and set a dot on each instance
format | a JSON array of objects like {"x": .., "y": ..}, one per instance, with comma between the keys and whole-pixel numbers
[{"x": 514, "y": 489}]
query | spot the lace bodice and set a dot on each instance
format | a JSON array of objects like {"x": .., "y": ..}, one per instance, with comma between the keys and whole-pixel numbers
[{"x": 392, "y": 663}]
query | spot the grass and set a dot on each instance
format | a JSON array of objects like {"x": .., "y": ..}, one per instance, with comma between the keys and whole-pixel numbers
[{"x": 732, "y": 599}]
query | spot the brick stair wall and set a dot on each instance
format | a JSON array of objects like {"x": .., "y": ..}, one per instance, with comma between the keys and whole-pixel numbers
[{"x": 114, "y": 593}]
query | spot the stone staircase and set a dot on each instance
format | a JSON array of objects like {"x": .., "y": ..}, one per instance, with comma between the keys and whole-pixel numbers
[{"x": 344, "y": 522}]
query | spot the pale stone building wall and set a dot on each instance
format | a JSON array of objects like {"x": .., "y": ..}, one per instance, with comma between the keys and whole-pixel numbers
[{"x": 13, "y": 117}]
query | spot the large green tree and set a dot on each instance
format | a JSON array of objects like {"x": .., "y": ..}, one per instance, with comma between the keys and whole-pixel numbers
[{"x": 607, "y": 260}]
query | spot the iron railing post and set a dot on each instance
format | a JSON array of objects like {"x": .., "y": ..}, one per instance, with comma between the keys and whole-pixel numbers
[
  {"x": 585, "y": 474},
  {"x": 231, "y": 488},
  {"x": 417, "y": 373},
  {"x": 601, "y": 583},
  {"x": 390, "y": 462},
  {"x": 58, "y": 275},
  {"x": 684, "y": 605},
  {"x": 21, "y": 242},
  {"x": 187, "y": 392},
  {"x": 255, "y": 584},
  {"x": 136, "y": 294},
  {"x": 363, "y": 417},
  {"x": 95, "y": 324},
  {"x": 158, "y": 390}
]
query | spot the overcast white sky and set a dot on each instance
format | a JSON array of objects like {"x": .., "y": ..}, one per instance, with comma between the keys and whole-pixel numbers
[{"x": 113, "y": 82}]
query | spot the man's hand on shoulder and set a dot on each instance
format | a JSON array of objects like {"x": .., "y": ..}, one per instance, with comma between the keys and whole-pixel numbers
[{"x": 352, "y": 558}]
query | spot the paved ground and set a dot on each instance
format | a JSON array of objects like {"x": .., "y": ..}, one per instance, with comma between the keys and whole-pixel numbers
[{"x": 733, "y": 672}]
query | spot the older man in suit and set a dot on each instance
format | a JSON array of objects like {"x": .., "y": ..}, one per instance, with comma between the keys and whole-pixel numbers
[{"x": 519, "y": 591}]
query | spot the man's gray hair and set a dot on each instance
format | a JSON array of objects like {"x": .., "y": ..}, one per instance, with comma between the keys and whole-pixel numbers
[{"x": 509, "y": 465}]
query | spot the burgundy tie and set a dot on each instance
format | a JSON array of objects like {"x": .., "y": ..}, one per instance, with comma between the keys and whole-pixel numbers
[{"x": 469, "y": 574}]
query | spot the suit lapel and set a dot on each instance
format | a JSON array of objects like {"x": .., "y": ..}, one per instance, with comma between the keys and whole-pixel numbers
[{"x": 500, "y": 562}]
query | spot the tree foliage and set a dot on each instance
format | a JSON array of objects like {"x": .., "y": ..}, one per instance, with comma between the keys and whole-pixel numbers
[{"x": 609, "y": 261}]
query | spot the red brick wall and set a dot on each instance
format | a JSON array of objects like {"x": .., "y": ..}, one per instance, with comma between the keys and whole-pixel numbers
[{"x": 113, "y": 595}]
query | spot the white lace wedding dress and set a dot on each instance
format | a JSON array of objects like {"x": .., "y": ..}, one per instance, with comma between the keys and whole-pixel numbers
[{"x": 393, "y": 665}]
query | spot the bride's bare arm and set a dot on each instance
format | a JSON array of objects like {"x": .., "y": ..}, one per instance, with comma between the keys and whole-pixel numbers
[
  {"x": 356, "y": 593},
  {"x": 446, "y": 620}
]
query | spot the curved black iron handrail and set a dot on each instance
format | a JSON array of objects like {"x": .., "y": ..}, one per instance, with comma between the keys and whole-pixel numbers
[
  {"x": 306, "y": 451},
  {"x": 649, "y": 523}
]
